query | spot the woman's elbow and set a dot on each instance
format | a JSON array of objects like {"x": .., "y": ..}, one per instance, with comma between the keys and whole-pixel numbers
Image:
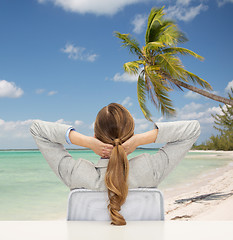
[
  {"x": 34, "y": 127},
  {"x": 197, "y": 128}
]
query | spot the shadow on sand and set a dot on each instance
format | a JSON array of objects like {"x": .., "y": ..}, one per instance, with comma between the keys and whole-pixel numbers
[{"x": 205, "y": 197}]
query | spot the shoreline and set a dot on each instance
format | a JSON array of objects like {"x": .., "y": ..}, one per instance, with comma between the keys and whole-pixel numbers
[
  {"x": 215, "y": 151},
  {"x": 209, "y": 197}
]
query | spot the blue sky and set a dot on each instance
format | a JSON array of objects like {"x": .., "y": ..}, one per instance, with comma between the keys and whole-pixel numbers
[{"x": 61, "y": 62}]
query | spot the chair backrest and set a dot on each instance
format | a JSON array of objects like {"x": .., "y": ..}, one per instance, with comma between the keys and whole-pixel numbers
[{"x": 142, "y": 204}]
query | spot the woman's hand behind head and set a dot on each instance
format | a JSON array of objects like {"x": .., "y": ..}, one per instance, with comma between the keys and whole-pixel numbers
[
  {"x": 100, "y": 148},
  {"x": 104, "y": 150}
]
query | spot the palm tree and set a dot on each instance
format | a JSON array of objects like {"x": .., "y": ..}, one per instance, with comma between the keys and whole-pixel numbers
[
  {"x": 225, "y": 119},
  {"x": 159, "y": 68}
]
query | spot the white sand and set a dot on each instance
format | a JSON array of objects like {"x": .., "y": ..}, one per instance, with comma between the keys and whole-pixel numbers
[{"x": 209, "y": 198}]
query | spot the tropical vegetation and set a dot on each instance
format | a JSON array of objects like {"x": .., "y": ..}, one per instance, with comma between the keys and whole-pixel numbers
[
  {"x": 159, "y": 67},
  {"x": 223, "y": 124}
]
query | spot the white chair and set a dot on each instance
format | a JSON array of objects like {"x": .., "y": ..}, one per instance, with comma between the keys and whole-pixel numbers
[{"x": 142, "y": 204}]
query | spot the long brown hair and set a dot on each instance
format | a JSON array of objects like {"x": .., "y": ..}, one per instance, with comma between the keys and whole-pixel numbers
[{"x": 114, "y": 125}]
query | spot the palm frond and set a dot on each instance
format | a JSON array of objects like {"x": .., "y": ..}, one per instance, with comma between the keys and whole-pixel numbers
[
  {"x": 130, "y": 43},
  {"x": 230, "y": 95},
  {"x": 165, "y": 103},
  {"x": 183, "y": 51},
  {"x": 171, "y": 35},
  {"x": 141, "y": 92},
  {"x": 131, "y": 67},
  {"x": 153, "y": 46},
  {"x": 154, "y": 24},
  {"x": 151, "y": 71},
  {"x": 162, "y": 81},
  {"x": 150, "y": 91},
  {"x": 155, "y": 13},
  {"x": 154, "y": 31},
  {"x": 153, "y": 67},
  {"x": 163, "y": 30},
  {"x": 159, "y": 91},
  {"x": 175, "y": 86},
  {"x": 195, "y": 79},
  {"x": 174, "y": 68},
  {"x": 179, "y": 36},
  {"x": 171, "y": 65}
]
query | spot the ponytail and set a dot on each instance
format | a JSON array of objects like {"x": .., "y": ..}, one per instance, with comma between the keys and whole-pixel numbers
[
  {"x": 114, "y": 125},
  {"x": 116, "y": 178}
]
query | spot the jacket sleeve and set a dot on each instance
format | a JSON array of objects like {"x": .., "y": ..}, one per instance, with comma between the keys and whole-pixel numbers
[
  {"x": 50, "y": 137},
  {"x": 178, "y": 136}
]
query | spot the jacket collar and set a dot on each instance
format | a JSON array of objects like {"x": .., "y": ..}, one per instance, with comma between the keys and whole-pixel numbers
[{"x": 103, "y": 162}]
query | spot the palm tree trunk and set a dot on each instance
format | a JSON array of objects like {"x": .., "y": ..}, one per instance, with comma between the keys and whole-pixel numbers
[{"x": 200, "y": 91}]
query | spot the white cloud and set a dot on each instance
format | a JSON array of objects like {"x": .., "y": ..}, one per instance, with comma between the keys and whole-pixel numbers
[
  {"x": 198, "y": 111},
  {"x": 51, "y": 93},
  {"x": 125, "y": 77},
  {"x": 193, "y": 106},
  {"x": 98, "y": 7},
  {"x": 139, "y": 22},
  {"x": 39, "y": 91},
  {"x": 91, "y": 57},
  {"x": 183, "y": 2},
  {"x": 223, "y": 2},
  {"x": 15, "y": 129},
  {"x": 228, "y": 87},
  {"x": 62, "y": 121},
  {"x": 182, "y": 11},
  {"x": 9, "y": 90},
  {"x": 127, "y": 102},
  {"x": 16, "y": 134},
  {"x": 78, "y": 53},
  {"x": 142, "y": 125},
  {"x": 202, "y": 113},
  {"x": 78, "y": 123}
]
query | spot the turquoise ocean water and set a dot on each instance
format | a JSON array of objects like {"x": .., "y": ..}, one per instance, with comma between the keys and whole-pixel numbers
[{"x": 29, "y": 190}]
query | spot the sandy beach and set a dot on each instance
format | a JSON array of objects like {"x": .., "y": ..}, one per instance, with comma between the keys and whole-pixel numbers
[{"x": 210, "y": 197}]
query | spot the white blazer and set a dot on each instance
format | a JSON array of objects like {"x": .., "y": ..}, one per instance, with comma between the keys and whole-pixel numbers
[{"x": 145, "y": 170}]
